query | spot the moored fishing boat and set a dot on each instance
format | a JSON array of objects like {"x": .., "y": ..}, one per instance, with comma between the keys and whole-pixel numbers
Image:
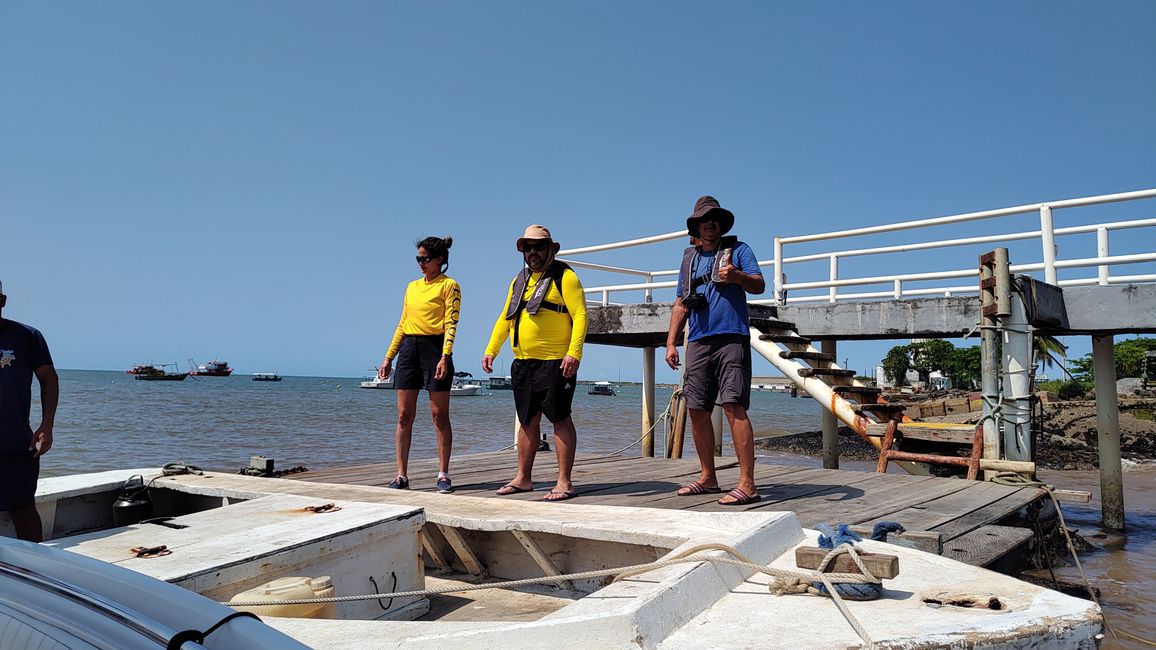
[
  {"x": 266, "y": 376},
  {"x": 214, "y": 368},
  {"x": 149, "y": 372}
]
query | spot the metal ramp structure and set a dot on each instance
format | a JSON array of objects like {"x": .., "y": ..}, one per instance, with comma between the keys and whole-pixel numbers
[{"x": 861, "y": 407}]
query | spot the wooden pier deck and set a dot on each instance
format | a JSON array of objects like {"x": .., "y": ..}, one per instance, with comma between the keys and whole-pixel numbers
[{"x": 965, "y": 514}]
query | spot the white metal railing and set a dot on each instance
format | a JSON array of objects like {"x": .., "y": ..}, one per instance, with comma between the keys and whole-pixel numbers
[{"x": 826, "y": 287}]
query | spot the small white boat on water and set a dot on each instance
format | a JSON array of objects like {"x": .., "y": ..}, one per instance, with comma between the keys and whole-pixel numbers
[
  {"x": 603, "y": 388},
  {"x": 230, "y": 536},
  {"x": 374, "y": 382},
  {"x": 463, "y": 388}
]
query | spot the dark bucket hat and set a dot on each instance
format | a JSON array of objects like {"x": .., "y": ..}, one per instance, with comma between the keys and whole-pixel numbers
[{"x": 708, "y": 205}]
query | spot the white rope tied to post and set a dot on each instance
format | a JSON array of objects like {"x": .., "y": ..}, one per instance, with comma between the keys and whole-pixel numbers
[{"x": 785, "y": 580}]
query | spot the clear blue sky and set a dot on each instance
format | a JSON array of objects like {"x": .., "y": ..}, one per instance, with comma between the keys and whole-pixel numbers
[{"x": 246, "y": 180}]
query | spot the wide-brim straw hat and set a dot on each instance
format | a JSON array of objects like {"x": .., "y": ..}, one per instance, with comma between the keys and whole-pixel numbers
[
  {"x": 708, "y": 205},
  {"x": 536, "y": 232}
]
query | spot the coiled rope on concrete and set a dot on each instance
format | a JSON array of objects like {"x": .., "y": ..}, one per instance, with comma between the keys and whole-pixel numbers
[{"x": 786, "y": 581}]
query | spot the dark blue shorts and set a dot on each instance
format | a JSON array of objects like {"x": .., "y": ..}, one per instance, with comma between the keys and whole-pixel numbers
[
  {"x": 539, "y": 387},
  {"x": 417, "y": 362},
  {"x": 19, "y": 472}
]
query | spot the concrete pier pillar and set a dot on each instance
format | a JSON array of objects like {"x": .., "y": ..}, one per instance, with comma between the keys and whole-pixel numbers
[
  {"x": 1016, "y": 346},
  {"x": 1108, "y": 433},
  {"x": 648, "y": 402},
  {"x": 828, "y": 422}
]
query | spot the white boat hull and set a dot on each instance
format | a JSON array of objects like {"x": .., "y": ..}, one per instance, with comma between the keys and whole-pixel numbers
[{"x": 688, "y": 605}]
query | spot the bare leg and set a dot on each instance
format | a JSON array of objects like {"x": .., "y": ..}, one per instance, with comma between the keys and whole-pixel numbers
[
  {"x": 406, "y": 411},
  {"x": 703, "y": 432},
  {"x": 527, "y": 450},
  {"x": 565, "y": 444},
  {"x": 743, "y": 438},
  {"x": 27, "y": 523},
  {"x": 439, "y": 405}
]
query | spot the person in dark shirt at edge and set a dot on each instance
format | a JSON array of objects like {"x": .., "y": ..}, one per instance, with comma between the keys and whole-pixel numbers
[{"x": 23, "y": 353}]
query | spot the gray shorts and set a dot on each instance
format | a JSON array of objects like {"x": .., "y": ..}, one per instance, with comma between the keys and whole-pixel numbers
[{"x": 718, "y": 370}]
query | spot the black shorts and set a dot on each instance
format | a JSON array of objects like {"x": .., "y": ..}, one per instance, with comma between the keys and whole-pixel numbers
[
  {"x": 18, "y": 474},
  {"x": 417, "y": 362},
  {"x": 540, "y": 387},
  {"x": 718, "y": 370}
]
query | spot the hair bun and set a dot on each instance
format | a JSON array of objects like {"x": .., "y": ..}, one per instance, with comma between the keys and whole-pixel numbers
[{"x": 448, "y": 241}]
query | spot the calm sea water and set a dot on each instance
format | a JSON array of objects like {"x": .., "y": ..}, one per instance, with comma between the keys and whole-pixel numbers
[{"x": 108, "y": 420}]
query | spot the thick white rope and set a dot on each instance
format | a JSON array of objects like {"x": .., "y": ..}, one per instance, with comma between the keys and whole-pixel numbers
[{"x": 786, "y": 580}]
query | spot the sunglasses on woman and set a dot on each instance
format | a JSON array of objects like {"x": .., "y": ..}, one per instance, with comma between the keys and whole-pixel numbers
[{"x": 422, "y": 259}]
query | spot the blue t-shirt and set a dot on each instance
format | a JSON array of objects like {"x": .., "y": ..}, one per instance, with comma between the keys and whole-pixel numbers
[
  {"x": 22, "y": 351},
  {"x": 726, "y": 311}
]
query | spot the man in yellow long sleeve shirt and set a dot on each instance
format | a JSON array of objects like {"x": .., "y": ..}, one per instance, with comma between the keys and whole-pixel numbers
[{"x": 545, "y": 312}]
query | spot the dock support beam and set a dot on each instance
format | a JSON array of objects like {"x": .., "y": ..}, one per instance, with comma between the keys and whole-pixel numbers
[
  {"x": 994, "y": 288},
  {"x": 648, "y": 402},
  {"x": 828, "y": 422},
  {"x": 1016, "y": 347},
  {"x": 1108, "y": 433}
]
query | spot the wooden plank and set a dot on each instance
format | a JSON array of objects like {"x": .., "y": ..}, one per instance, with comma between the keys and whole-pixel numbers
[
  {"x": 1072, "y": 496},
  {"x": 660, "y": 490},
  {"x": 779, "y": 488},
  {"x": 989, "y": 514},
  {"x": 933, "y": 431},
  {"x": 727, "y": 474},
  {"x": 583, "y": 475},
  {"x": 544, "y": 562},
  {"x": 987, "y": 544},
  {"x": 431, "y": 552},
  {"x": 936, "y": 512},
  {"x": 794, "y": 491},
  {"x": 917, "y": 539},
  {"x": 465, "y": 553},
  {"x": 881, "y": 565},
  {"x": 842, "y": 486},
  {"x": 880, "y": 501}
]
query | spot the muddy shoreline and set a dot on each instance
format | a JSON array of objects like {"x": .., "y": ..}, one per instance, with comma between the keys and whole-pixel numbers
[{"x": 1068, "y": 440}]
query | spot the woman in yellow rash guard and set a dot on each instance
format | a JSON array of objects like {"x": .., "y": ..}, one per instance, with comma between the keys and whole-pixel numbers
[{"x": 423, "y": 345}]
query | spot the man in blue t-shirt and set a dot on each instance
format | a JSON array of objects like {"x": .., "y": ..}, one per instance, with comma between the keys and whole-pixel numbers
[
  {"x": 713, "y": 282},
  {"x": 23, "y": 353}
]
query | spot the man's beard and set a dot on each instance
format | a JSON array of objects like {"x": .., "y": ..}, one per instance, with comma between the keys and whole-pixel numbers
[{"x": 543, "y": 264}]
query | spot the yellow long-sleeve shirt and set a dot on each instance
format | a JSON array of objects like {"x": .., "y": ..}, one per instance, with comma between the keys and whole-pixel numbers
[
  {"x": 429, "y": 308},
  {"x": 548, "y": 334}
]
